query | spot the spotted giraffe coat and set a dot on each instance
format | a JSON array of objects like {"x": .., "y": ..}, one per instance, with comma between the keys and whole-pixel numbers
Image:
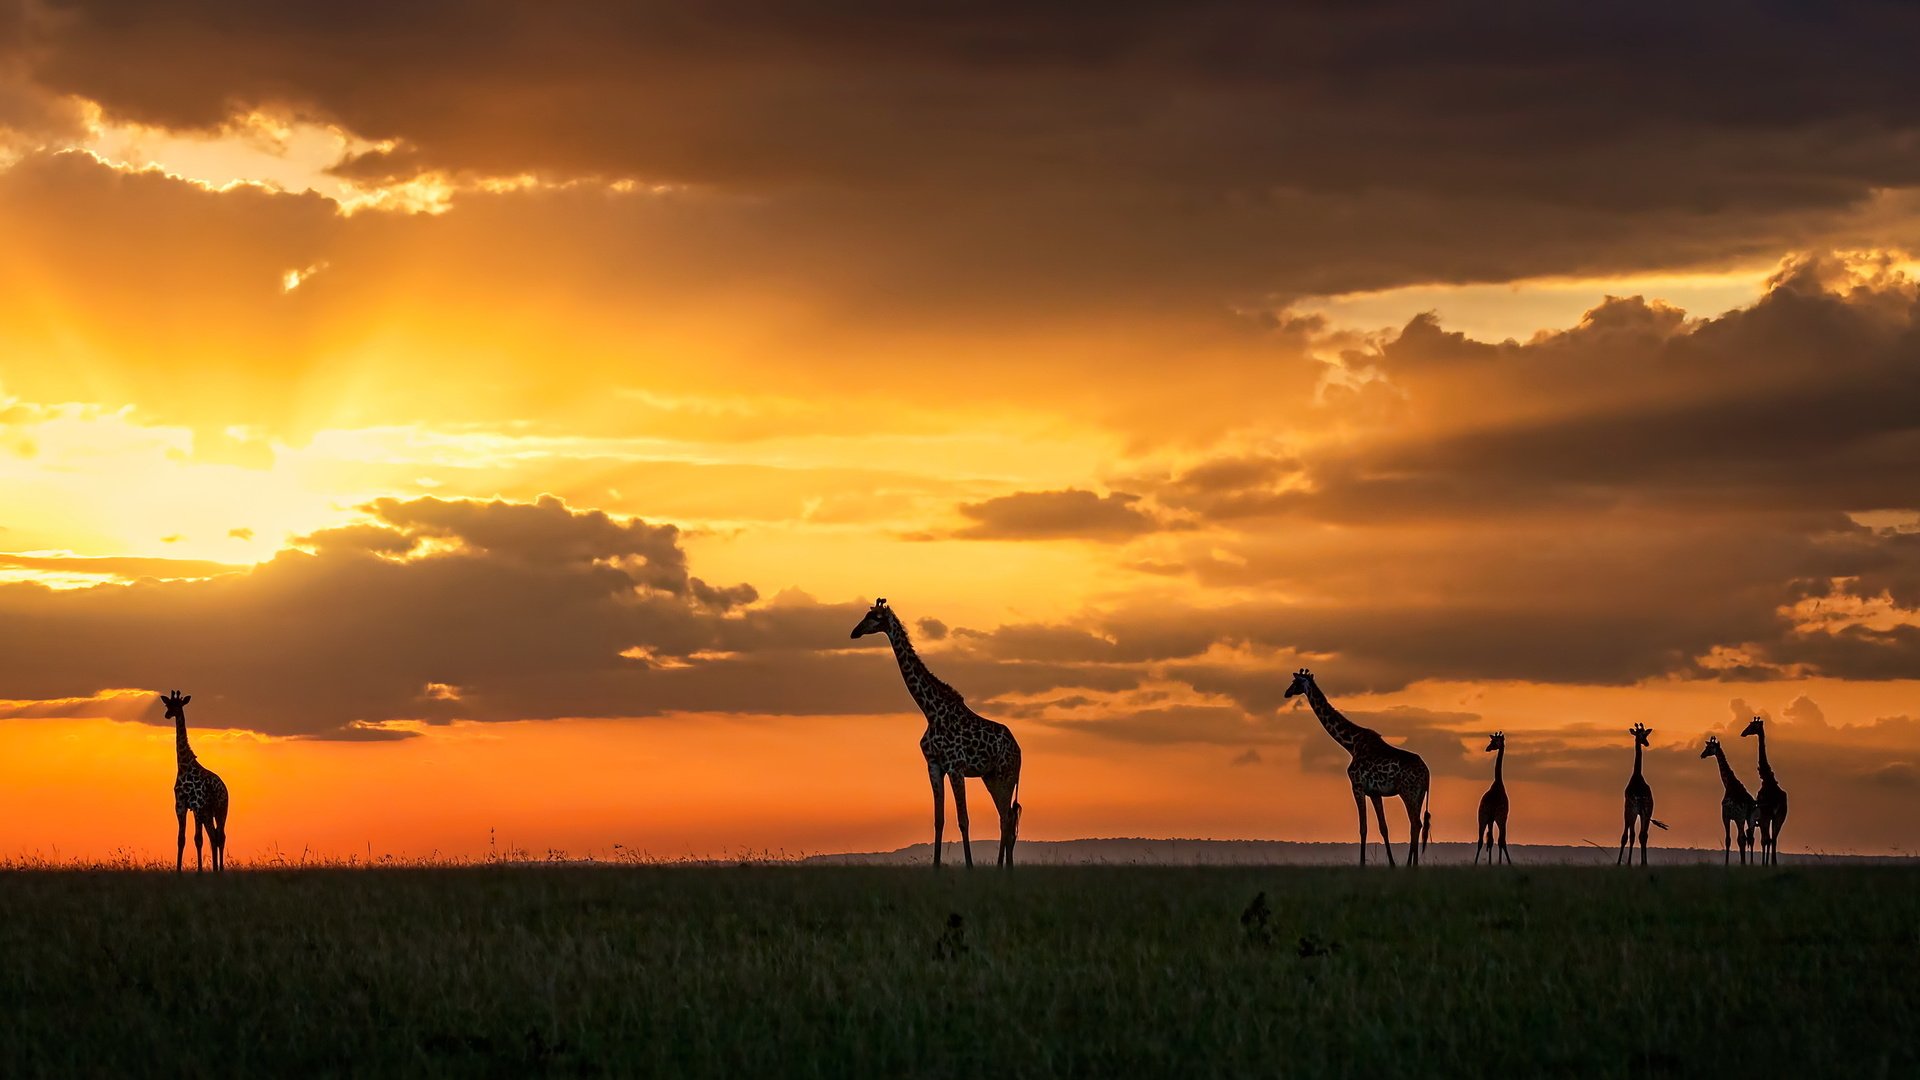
[{"x": 196, "y": 787}]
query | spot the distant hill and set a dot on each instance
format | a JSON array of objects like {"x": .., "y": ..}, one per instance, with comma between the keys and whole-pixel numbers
[{"x": 1125, "y": 851}]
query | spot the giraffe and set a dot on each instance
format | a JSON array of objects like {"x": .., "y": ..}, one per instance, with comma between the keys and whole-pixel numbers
[
  {"x": 1493, "y": 805},
  {"x": 1771, "y": 804},
  {"x": 195, "y": 788},
  {"x": 1377, "y": 769},
  {"x": 1736, "y": 806},
  {"x": 958, "y": 742},
  {"x": 1639, "y": 800}
]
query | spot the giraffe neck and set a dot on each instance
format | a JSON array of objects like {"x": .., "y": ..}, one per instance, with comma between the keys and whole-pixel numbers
[
  {"x": 182, "y": 751},
  {"x": 1499, "y": 758},
  {"x": 1766, "y": 771},
  {"x": 1344, "y": 731},
  {"x": 1637, "y": 748},
  {"x": 921, "y": 683},
  {"x": 1727, "y": 779}
]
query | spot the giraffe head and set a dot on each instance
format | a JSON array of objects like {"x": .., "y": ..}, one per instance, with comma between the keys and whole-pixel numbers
[
  {"x": 1712, "y": 747},
  {"x": 1757, "y": 727},
  {"x": 176, "y": 705},
  {"x": 1641, "y": 733},
  {"x": 1301, "y": 680},
  {"x": 880, "y": 620},
  {"x": 1497, "y": 741}
]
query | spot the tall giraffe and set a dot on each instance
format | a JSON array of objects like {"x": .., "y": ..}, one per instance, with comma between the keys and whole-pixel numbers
[
  {"x": 1639, "y": 800},
  {"x": 1736, "y": 806},
  {"x": 1493, "y": 805},
  {"x": 195, "y": 788},
  {"x": 1377, "y": 769},
  {"x": 1771, "y": 804},
  {"x": 958, "y": 743}
]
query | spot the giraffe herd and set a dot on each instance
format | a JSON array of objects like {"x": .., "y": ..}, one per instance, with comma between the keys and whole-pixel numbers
[{"x": 960, "y": 743}]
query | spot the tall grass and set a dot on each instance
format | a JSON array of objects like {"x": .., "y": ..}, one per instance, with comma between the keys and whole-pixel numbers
[{"x": 768, "y": 970}]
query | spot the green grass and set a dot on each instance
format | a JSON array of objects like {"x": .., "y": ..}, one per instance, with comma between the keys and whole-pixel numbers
[{"x": 759, "y": 971}]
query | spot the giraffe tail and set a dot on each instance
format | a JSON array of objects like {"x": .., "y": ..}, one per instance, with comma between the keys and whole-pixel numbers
[
  {"x": 1426, "y": 826},
  {"x": 1016, "y": 809},
  {"x": 1658, "y": 823}
]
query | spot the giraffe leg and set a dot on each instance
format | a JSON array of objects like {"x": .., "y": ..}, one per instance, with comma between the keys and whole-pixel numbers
[
  {"x": 199, "y": 843},
  {"x": 960, "y": 815},
  {"x": 1001, "y": 789},
  {"x": 1626, "y": 838},
  {"x": 1643, "y": 839},
  {"x": 1360, "y": 804},
  {"x": 220, "y": 842},
  {"x": 1503, "y": 845},
  {"x": 1413, "y": 826},
  {"x": 1485, "y": 832},
  {"x": 1726, "y": 842},
  {"x": 939, "y": 811},
  {"x": 1380, "y": 814},
  {"x": 1778, "y": 822},
  {"x": 180, "y": 839}
]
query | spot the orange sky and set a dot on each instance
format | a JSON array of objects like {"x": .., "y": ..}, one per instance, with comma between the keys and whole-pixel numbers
[{"x": 502, "y": 429}]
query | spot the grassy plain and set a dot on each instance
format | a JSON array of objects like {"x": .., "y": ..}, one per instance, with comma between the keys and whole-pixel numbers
[{"x": 846, "y": 971}]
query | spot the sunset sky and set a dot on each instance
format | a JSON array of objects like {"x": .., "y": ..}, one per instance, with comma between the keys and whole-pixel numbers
[{"x": 496, "y": 415}]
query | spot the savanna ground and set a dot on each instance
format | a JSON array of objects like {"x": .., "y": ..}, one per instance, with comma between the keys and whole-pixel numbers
[{"x": 774, "y": 971}]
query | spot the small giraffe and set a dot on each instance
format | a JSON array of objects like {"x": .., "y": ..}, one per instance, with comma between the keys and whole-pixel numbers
[
  {"x": 1493, "y": 805},
  {"x": 195, "y": 788},
  {"x": 958, "y": 743},
  {"x": 1737, "y": 817},
  {"x": 1378, "y": 769},
  {"x": 1770, "y": 805},
  {"x": 1639, "y": 800}
]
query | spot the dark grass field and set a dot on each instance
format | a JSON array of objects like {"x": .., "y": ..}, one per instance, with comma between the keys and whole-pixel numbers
[{"x": 758, "y": 971}]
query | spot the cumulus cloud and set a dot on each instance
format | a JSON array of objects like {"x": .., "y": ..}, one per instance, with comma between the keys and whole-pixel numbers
[
  {"x": 526, "y": 607},
  {"x": 516, "y": 610}
]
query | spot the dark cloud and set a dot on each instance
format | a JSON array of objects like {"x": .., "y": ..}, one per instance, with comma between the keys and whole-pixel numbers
[
  {"x": 932, "y": 629},
  {"x": 1230, "y": 147},
  {"x": 1642, "y": 494},
  {"x": 520, "y": 610},
  {"x": 1055, "y": 515},
  {"x": 434, "y": 610},
  {"x": 1897, "y": 774}
]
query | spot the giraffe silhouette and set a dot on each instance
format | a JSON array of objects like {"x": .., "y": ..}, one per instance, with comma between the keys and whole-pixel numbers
[
  {"x": 196, "y": 788},
  {"x": 958, "y": 743},
  {"x": 1639, "y": 800},
  {"x": 1771, "y": 804},
  {"x": 1493, "y": 805},
  {"x": 1737, "y": 817},
  {"x": 1378, "y": 769}
]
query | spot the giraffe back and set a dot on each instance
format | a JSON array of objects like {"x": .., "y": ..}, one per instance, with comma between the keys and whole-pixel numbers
[
  {"x": 964, "y": 743},
  {"x": 1380, "y": 768},
  {"x": 199, "y": 789}
]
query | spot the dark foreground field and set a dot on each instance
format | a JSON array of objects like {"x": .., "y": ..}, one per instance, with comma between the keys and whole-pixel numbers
[{"x": 833, "y": 972}]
